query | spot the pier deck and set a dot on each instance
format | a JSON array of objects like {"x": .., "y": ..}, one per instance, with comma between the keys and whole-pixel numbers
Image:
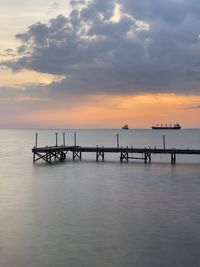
[{"x": 60, "y": 152}]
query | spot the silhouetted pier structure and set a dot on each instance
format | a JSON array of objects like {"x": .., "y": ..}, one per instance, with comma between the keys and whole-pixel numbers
[{"x": 126, "y": 153}]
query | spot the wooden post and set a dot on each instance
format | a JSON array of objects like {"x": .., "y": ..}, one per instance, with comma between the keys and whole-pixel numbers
[
  {"x": 34, "y": 157},
  {"x": 121, "y": 157},
  {"x": 149, "y": 157},
  {"x": 56, "y": 139},
  {"x": 36, "y": 138},
  {"x": 117, "y": 140},
  {"x": 164, "y": 141},
  {"x": 102, "y": 155},
  {"x": 63, "y": 139},
  {"x": 97, "y": 157},
  {"x": 74, "y": 139},
  {"x": 173, "y": 158},
  {"x": 145, "y": 157}
]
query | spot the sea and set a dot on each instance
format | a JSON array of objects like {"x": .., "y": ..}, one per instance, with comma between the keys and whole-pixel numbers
[{"x": 99, "y": 214}]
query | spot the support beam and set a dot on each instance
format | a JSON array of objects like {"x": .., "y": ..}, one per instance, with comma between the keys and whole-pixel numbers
[
  {"x": 98, "y": 155},
  {"x": 77, "y": 154},
  {"x": 62, "y": 156},
  {"x": 173, "y": 158},
  {"x": 124, "y": 155},
  {"x": 34, "y": 157},
  {"x": 45, "y": 157},
  {"x": 147, "y": 157}
]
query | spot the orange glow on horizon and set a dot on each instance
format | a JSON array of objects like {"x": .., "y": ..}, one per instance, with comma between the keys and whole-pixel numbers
[{"x": 112, "y": 111}]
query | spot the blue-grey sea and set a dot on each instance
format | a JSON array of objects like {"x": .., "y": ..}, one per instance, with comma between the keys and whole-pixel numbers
[{"x": 105, "y": 214}]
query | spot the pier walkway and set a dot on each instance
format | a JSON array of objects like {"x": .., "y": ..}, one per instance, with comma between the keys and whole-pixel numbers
[{"x": 125, "y": 153}]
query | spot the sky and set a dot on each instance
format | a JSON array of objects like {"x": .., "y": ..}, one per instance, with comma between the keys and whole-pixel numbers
[{"x": 99, "y": 63}]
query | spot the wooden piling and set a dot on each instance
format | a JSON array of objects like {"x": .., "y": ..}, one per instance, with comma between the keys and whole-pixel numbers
[
  {"x": 56, "y": 139},
  {"x": 74, "y": 139},
  {"x": 63, "y": 139},
  {"x": 36, "y": 139}
]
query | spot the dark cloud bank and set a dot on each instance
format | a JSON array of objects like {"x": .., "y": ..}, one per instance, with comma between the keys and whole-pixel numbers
[{"x": 155, "y": 47}]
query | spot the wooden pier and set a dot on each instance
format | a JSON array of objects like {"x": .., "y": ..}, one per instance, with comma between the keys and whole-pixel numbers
[{"x": 125, "y": 153}]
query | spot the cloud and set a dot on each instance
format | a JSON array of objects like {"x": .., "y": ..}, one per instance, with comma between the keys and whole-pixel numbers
[
  {"x": 154, "y": 47},
  {"x": 75, "y": 3}
]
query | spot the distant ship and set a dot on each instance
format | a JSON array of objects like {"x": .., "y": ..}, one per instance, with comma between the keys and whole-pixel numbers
[
  {"x": 167, "y": 127},
  {"x": 125, "y": 127}
]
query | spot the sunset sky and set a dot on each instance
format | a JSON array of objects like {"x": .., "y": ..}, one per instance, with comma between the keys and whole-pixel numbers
[{"x": 99, "y": 63}]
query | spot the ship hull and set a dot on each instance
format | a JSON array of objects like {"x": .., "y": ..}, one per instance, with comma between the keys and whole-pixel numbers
[
  {"x": 165, "y": 128},
  {"x": 125, "y": 127}
]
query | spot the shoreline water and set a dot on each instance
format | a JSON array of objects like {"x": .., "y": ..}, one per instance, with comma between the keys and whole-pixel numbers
[{"x": 91, "y": 214}]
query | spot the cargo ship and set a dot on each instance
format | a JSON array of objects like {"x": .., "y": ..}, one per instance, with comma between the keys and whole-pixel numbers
[
  {"x": 125, "y": 127},
  {"x": 167, "y": 127}
]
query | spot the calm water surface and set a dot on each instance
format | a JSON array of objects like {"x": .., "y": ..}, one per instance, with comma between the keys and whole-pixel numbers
[{"x": 99, "y": 214}]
